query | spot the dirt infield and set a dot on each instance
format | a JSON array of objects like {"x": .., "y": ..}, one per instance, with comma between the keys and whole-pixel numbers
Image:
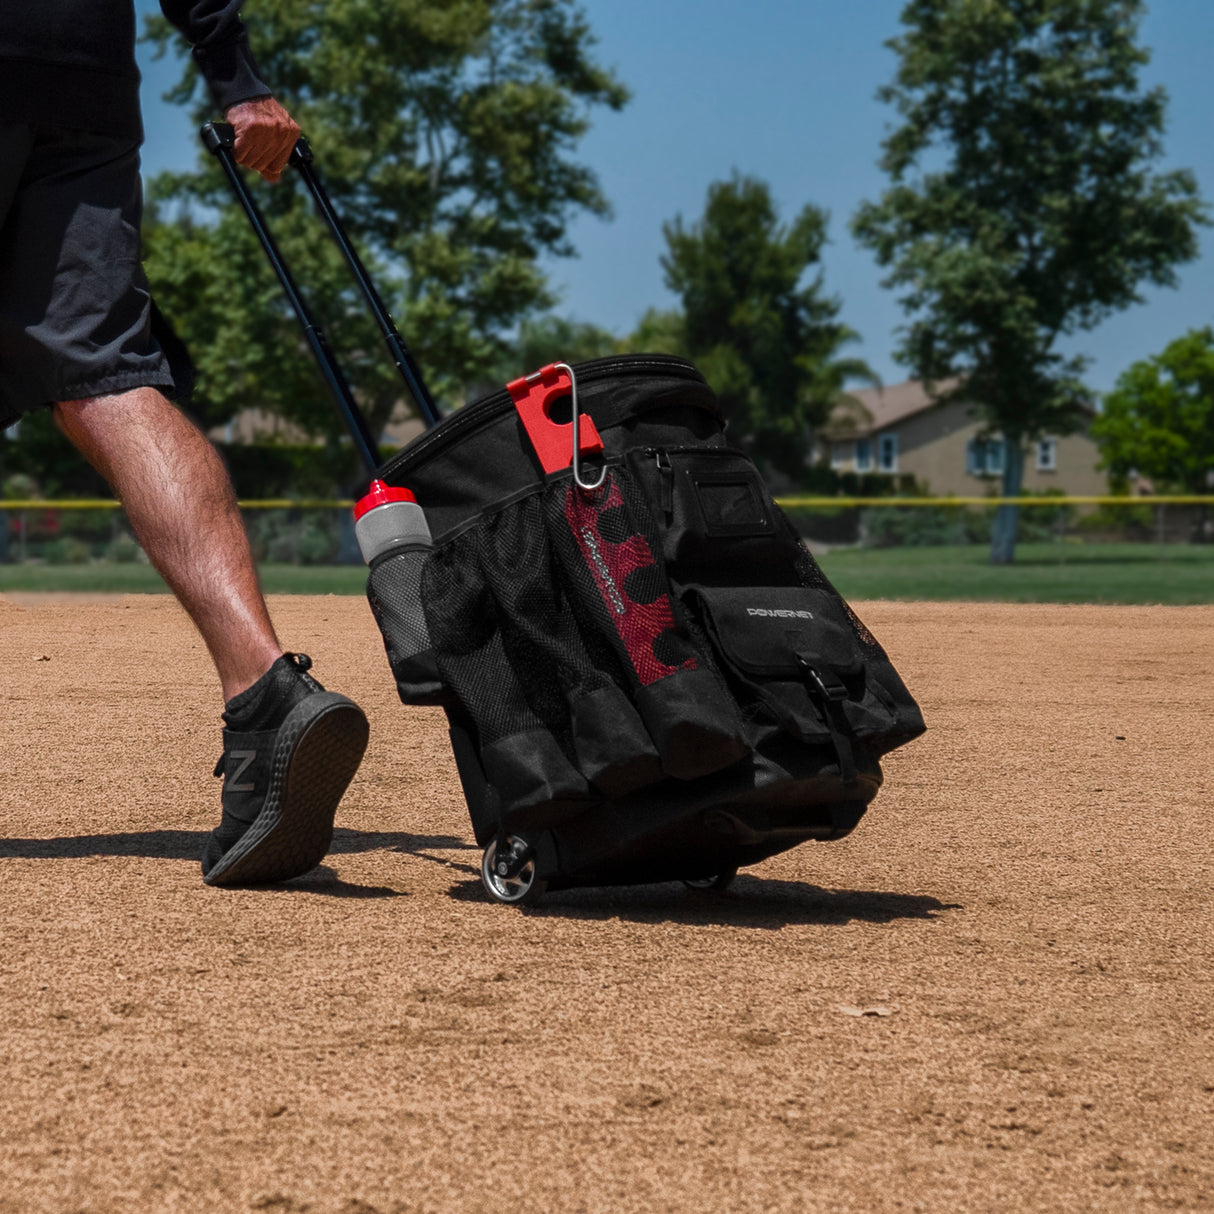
[{"x": 994, "y": 995}]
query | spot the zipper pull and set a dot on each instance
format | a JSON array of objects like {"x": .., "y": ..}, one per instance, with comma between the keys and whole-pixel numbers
[{"x": 666, "y": 475}]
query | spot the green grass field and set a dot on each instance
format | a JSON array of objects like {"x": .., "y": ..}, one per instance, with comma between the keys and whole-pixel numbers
[
  {"x": 143, "y": 579},
  {"x": 1043, "y": 573},
  {"x": 1175, "y": 574}
]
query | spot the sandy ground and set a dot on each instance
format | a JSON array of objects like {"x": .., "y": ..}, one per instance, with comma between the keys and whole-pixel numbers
[{"x": 1023, "y": 919}]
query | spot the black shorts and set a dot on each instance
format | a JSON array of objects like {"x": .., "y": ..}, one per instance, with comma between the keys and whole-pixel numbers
[{"x": 75, "y": 310}]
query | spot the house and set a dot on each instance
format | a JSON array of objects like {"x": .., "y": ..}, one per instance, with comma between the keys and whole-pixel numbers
[{"x": 901, "y": 431}]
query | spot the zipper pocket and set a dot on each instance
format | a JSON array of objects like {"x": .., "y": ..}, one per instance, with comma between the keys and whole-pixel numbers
[
  {"x": 498, "y": 404},
  {"x": 719, "y": 524}
]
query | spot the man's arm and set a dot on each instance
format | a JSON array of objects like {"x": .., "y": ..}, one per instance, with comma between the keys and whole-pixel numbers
[{"x": 265, "y": 132}]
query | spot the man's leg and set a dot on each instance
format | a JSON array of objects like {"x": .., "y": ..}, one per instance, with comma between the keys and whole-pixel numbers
[
  {"x": 180, "y": 504},
  {"x": 290, "y": 747}
]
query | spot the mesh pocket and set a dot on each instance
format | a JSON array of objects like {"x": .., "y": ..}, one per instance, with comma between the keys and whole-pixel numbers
[
  {"x": 619, "y": 591},
  {"x": 394, "y": 592},
  {"x": 572, "y": 689},
  {"x": 519, "y": 734}
]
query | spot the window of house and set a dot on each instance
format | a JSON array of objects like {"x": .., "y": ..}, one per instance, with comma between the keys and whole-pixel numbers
[
  {"x": 1047, "y": 455},
  {"x": 887, "y": 453},
  {"x": 985, "y": 456},
  {"x": 864, "y": 455},
  {"x": 839, "y": 453}
]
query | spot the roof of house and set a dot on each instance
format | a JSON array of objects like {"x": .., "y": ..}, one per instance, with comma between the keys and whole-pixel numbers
[{"x": 871, "y": 409}]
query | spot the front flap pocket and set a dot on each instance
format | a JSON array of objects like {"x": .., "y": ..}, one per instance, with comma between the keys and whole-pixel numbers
[
  {"x": 780, "y": 632},
  {"x": 793, "y": 648}
]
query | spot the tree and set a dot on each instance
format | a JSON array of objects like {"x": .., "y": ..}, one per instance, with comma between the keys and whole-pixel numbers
[
  {"x": 1023, "y": 207},
  {"x": 1159, "y": 419},
  {"x": 445, "y": 135},
  {"x": 660, "y": 331},
  {"x": 550, "y": 338},
  {"x": 768, "y": 344}
]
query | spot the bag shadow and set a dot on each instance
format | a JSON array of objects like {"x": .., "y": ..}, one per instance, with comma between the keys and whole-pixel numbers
[{"x": 750, "y": 902}]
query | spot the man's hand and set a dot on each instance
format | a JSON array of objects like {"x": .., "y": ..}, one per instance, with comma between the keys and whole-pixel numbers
[{"x": 265, "y": 135}]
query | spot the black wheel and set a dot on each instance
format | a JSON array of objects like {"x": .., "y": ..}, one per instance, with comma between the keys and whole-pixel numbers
[
  {"x": 510, "y": 877},
  {"x": 713, "y": 885}
]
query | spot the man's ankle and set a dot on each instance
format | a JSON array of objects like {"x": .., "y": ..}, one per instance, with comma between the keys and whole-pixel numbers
[{"x": 235, "y": 681}]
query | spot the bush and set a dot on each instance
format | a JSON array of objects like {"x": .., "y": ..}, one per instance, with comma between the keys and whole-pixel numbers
[
  {"x": 923, "y": 526},
  {"x": 830, "y": 525},
  {"x": 292, "y": 537},
  {"x": 1137, "y": 522},
  {"x": 19, "y": 488},
  {"x": 124, "y": 550},
  {"x": 66, "y": 551}
]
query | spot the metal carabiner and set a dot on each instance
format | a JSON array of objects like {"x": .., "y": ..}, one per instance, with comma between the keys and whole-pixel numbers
[{"x": 586, "y": 486}]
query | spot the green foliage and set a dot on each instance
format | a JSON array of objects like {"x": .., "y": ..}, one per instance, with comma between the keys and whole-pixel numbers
[
  {"x": 1022, "y": 205},
  {"x": 287, "y": 470},
  {"x": 66, "y": 551},
  {"x": 1159, "y": 419},
  {"x": 768, "y": 345},
  {"x": 660, "y": 332},
  {"x": 294, "y": 537},
  {"x": 19, "y": 487},
  {"x": 1133, "y": 522},
  {"x": 549, "y": 339},
  {"x": 124, "y": 550},
  {"x": 40, "y": 462},
  {"x": 445, "y": 134},
  {"x": 924, "y": 526},
  {"x": 51, "y": 466}
]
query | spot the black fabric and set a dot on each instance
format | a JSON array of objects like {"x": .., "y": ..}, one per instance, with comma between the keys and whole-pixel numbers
[
  {"x": 394, "y": 592},
  {"x": 72, "y": 63},
  {"x": 76, "y": 316},
  {"x": 267, "y": 702},
  {"x": 717, "y": 521},
  {"x": 620, "y": 593},
  {"x": 662, "y": 645}
]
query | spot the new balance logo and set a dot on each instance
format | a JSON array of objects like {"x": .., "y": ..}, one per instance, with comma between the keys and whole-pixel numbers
[
  {"x": 249, "y": 757},
  {"x": 780, "y": 613}
]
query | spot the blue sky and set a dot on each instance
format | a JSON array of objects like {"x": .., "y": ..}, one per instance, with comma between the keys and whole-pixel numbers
[{"x": 784, "y": 90}]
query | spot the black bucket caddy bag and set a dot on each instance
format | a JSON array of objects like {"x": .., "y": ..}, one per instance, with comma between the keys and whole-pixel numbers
[{"x": 646, "y": 675}]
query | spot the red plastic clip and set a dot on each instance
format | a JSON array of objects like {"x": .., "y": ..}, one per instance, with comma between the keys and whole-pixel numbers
[{"x": 533, "y": 397}]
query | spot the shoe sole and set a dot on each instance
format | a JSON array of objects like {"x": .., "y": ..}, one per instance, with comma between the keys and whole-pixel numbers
[{"x": 316, "y": 754}]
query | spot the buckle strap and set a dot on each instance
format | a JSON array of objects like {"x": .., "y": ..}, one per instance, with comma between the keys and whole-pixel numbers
[
  {"x": 827, "y": 682},
  {"x": 830, "y": 689}
]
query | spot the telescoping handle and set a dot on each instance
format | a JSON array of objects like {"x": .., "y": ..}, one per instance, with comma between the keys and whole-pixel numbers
[
  {"x": 219, "y": 138},
  {"x": 301, "y": 159}
]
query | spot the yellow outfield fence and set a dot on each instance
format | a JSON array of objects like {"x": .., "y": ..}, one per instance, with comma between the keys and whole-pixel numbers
[
  {"x": 795, "y": 502},
  {"x": 319, "y": 531},
  {"x": 1161, "y": 499}
]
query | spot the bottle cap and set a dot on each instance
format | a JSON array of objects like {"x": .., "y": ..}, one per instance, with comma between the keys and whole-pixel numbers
[{"x": 379, "y": 494}]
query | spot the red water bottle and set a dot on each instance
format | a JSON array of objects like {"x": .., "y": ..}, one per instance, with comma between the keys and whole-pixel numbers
[
  {"x": 389, "y": 517},
  {"x": 394, "y": 539}
]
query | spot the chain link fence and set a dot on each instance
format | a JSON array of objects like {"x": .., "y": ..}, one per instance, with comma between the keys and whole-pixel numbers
[{"x": 320, "y": 532}]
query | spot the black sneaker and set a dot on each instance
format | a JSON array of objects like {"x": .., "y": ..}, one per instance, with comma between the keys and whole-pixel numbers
[{"x": 290, "y": 750}]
